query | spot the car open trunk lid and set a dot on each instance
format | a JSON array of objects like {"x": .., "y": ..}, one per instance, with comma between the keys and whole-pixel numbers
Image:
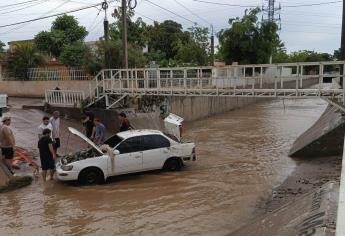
[{"x": 86, "y": 139}]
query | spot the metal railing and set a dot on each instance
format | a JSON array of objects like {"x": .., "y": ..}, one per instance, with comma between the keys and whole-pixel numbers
[
  {"x": 64, "y": 98},
  {"x": 58, "y": 74},
  {"x": 267, "y": 80}
]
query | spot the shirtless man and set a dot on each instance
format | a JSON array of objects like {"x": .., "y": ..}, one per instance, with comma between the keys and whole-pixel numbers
[{"x": 7, "y": 142}]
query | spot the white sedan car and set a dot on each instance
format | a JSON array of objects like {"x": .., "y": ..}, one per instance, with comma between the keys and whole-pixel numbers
[{"x": 128, "y": 152}]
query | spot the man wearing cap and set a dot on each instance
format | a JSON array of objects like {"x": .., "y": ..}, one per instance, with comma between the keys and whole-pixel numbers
[{"x": 7, "y": 142}]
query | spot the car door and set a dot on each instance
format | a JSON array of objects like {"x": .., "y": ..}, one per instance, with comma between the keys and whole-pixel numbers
[
  {"x": 156, "y": 151},
  {"x": 130, "y": 158}
]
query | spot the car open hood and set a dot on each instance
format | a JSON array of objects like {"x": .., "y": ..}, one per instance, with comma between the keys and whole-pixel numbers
[
  {"x": 173, "y": 125},
  {"x": 86, "y": 139}
]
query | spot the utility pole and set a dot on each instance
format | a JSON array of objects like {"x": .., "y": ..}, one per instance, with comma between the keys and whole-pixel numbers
[
  {"x": 124, "y": 34},
  {"x": 212, "y": 45},
  {"x": 106, "y": 33},
  {"x": 342, "y": 46}
]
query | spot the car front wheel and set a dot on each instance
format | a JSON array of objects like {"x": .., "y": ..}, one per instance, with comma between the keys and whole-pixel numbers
[
  {"x": 91, "y": 176},
  {"x": 173, "y": 164}
]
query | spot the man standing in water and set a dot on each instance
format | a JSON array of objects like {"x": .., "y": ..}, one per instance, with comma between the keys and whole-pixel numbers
[
  {"x": 99, "y": 132},
  {"x": 45, "y": 125},
  {"x": 7, "y": 142},
  {"x": 55, "y": 122},
  {"x": 47, "y": 154},
  {"x": 88, "y": 124}
]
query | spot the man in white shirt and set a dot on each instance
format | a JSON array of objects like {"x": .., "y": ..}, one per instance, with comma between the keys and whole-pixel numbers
[
  {"x": 45, "y": 125},
  {"x": 55, "y": 122}
]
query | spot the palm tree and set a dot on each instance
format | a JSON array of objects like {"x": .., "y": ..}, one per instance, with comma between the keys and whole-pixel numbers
[{"x": 25, "y": 56}]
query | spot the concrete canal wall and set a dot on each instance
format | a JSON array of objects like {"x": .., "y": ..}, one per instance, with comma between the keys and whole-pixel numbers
[
  {"x": 194, "y": 108},
  {"x": 324, "y": 138}
]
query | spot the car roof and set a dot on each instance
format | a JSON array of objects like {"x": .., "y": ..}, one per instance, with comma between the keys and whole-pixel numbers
[{"x": 137, "y": 132}]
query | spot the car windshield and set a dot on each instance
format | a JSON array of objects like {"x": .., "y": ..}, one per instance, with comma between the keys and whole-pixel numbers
[{"x": 113, "y": 141}]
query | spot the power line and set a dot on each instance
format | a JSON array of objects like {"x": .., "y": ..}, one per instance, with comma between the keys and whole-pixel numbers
[
  {"x": 224, "y": 4},
  {"x": 45, "y": 17},
  {"x": 190, "y": 11},
  {"x": 19, "y": 3},
  {"x": 251, "y": 6},
  {"x": 313, "y": 4},
  {"x": 42, "y": 15},
  {"x": 149, "y": 18},
  {"x": 171, "y": 12},
  {"x": 22, "y": 8}
]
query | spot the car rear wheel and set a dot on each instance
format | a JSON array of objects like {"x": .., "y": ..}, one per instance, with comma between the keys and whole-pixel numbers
[
  {"x": 173, "y": 164},
  {"x": 91, "y": 176}
]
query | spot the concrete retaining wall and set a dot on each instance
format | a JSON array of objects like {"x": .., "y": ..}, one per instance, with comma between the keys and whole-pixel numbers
[
  {"x": 194, "y": 108},
  {"x": 37, "y": 88},
  {"x": 324, "y": 138}
]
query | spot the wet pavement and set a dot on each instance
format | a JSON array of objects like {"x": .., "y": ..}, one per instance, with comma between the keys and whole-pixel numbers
[{"x": 242, "y": 156}]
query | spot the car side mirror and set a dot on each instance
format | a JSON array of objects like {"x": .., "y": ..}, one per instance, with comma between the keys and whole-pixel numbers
[{"x": 116, "y": 152}]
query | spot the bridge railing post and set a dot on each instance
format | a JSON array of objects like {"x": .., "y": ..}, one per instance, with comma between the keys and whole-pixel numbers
[
  {"x": 261, "y": 76},
  {"x": 321, "y": 72}
]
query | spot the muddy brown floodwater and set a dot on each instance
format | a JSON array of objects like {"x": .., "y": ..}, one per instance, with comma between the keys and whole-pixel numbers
[{"x": 242, "y": 156}]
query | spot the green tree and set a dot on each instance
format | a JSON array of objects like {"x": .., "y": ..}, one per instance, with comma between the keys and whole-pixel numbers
[
  {"x": 309, "y": 56},
  {"x": 74, "y": 54},
  {"x": 136, "y": 30},
  {"x": 26, "y": 56},
  {"x": 164, "y": 37},
  {"x": 65, "y": 30},
  {"x": 2, "y": 47},
  {"x": 195, "y": 50},
  {"x": 248, "y": 41}
]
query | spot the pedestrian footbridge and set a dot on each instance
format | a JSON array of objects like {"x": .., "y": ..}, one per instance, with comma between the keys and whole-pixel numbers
[{"x": 289, "y": 80}]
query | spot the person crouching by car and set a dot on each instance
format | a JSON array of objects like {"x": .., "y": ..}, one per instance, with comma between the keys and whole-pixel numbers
[
  {"x": 124, "y": 122},
  {"x": 99, "y": 132},
  {"x": 47, "y": 154}
]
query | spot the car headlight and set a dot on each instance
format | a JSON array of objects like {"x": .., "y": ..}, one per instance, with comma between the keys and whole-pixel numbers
[{"x": 66, "y": 168}]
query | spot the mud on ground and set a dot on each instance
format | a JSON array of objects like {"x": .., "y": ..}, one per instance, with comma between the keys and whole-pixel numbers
[{"x": 308, "y": 175}]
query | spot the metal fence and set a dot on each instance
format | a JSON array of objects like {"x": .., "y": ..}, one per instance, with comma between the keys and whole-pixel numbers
[
  {"x": 64, "y": 98},
  {"x": 58, "y": 74}
]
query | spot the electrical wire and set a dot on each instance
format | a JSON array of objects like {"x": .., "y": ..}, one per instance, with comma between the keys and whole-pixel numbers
[
  {"x": 58, "y": 14},
  {"x": 251, "y": 6},
  {"x": 171, "y": 12},
  {"x": 3, "y": 11},
  {"x": 19, "y": 3},
  {"x": 190, "y": 11},
  {"x": 42, "y": 15}
]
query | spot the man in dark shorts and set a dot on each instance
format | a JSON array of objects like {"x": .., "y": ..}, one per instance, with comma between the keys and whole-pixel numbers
[
  {"x": 47, "y": 154},
  {"x": 88, "y": 123},
  {"x": 7, "y": 142}
]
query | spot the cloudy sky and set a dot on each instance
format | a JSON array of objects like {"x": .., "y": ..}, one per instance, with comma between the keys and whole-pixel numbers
[{"x": 316, "y": 27}]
